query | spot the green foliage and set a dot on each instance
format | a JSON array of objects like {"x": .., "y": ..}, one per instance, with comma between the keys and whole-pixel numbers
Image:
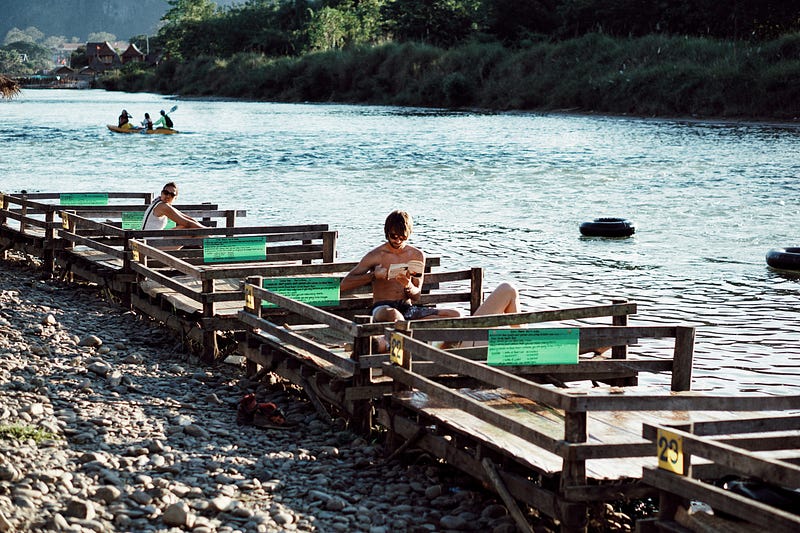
[
  {"x": 101, "y": 36},
  {"x": 438, "y": 22},
  {"x": 30, "y": 58},
  {"x": 10, "y": 62},
  {"x": 78, "y": 59},
  {"x": 651, "y": 75},
  {"x": 24, "y": 432},
  {"x": 30, "y": 34}
]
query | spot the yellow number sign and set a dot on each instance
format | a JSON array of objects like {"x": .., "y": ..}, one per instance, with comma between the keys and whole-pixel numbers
[
  {"x": 396, "y": 349},
  {"x": 670, "y": 451},
  {"x": 249, "y": 297},
  {"x": 65, "y": 221}
]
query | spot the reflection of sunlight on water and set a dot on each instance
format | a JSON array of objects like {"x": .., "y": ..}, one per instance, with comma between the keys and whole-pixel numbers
[{"x": 503, "y": 191}]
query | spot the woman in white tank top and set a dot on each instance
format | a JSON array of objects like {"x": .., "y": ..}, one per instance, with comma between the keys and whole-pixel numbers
[{"x": 161, "y": 211}]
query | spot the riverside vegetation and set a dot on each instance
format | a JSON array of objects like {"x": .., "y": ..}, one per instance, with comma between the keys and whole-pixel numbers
[{"x": 650, "y": 75}]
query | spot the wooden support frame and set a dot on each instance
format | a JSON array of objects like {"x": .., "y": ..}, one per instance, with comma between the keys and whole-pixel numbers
[
  {"x": 567, "y": 435},
  {"x": 765, "y": 449},
  {"x": 181, "y": 273}
]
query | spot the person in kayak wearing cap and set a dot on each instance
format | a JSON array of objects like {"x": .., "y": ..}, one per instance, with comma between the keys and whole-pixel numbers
[
  {"x": 123, "y": 119},
  {"x": 163, "y": 121}
]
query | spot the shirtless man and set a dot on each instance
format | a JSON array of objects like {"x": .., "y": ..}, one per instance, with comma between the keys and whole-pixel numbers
[{"x": 393, "y": 299}]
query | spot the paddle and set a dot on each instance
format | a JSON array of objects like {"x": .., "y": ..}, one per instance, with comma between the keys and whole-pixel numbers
[{"x": 173, "y": 109}]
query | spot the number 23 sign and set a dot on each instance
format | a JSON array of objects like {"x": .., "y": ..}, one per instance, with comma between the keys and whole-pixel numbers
[{"x": 670, "y": 451}]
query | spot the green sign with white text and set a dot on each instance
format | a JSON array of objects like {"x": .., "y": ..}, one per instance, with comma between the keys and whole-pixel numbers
[
  {"x": 231, "y": 249},
  {"x": 83, "y": 199},
  {"x": 133, "y": 220},
  {"x": 311, "y": 291},
  {"x": 540, "y": 346}
]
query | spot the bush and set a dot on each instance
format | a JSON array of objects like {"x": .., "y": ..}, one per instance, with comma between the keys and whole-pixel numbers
[{"x": 650, "y": 75}]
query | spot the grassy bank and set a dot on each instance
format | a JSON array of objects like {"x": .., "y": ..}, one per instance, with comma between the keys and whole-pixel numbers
[{"x": 653, "y": 75}]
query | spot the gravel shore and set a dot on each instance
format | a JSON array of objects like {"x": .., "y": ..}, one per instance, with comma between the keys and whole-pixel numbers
[{"x": 106, "y": 424}]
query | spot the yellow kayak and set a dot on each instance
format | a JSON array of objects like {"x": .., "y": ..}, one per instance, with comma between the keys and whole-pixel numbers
[{"x": 135, "y": 129}]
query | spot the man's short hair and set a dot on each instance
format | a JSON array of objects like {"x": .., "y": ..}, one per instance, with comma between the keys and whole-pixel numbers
[{"x": 398, "y": 222}]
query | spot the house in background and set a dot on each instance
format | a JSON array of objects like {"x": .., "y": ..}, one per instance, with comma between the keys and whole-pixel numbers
[
  {"x": 132, "y": 54},
  {"x": 102, "y": 56}
]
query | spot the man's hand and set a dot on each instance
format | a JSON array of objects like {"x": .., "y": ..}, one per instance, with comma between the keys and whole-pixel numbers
[{"x": 380, "y": 272}]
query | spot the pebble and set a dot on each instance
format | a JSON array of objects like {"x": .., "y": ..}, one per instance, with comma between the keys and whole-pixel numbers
[{"x": 144, "y": 438}]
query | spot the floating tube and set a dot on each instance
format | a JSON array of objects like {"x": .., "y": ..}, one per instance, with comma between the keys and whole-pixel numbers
[
  {"x": 785, "y": 258},
  {"x": 608, "y": 227}
]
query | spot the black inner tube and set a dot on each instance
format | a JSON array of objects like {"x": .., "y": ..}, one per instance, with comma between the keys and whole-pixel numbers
[
  {"x": 608, "y": 227},
  {"x": 785, "y": 258}
]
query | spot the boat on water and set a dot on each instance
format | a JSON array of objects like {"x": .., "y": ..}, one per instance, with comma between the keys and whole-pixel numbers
[{"x": 135, "y": 129}]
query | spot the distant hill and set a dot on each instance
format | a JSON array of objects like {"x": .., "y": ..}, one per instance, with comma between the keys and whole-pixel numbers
[{"x": 79, "y": 18}]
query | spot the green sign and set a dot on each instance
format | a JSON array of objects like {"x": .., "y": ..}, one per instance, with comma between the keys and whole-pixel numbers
[
  {"x": 99, "y": 198},
  {"x": 226, "y": 249},
  {"x": 311, "y": 291},
  {"x": 133, "y": 220},
  {"x": 540, "y": 346}
]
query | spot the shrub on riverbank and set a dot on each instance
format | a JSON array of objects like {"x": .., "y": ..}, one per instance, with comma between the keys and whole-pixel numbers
[{"x": 651, "y": 75}]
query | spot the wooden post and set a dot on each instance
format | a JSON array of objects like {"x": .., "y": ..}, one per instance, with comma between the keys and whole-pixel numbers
[
  {"x": 329, "y": 246},
  {"x": 49, "y": 251},
  {"x": 619, "y": 352},
  {"x": 573, "y": 515},
  {"x": 476, "y": 289},
  {"x": 23, "y": 213},
  {"x": 3, "y": 208},
  {"x": 361, "y": 409},
  {"x": 683, "y": 359},
  {"x": 256, "y": 299},
  {"x": 210, "y": 350}
]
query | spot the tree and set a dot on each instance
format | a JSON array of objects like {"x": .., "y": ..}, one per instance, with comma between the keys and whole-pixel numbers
[
  {"x": 512, "y": 20},
  {"x": 101, "y": 36},
  {"x": 438, "y": 22},
  {"x": 54, "y": 41},
  {"x": 344, "y": 23},
  {"x": 10, "y": 62},
  {"x": 36, "y": 57},
  {"x": 184, "y": 17},
  {"x": 16, "y": 35},
  {"x": 189, "y": 10}
]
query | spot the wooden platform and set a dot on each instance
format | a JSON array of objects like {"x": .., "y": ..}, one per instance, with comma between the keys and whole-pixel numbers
[
  {"x": 761, "y": 453},
  {"x": 200, "y": 299},
  {"x": 559, "y": 437}
]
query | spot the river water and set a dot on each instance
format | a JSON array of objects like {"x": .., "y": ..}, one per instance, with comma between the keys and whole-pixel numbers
[{"x": 503, "y": 191}]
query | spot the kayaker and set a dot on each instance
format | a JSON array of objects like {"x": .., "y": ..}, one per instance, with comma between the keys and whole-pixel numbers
[
  {"x": 147, "y": 123},
  {"x": 123, "y": 119},
  {"x": 164, "y": 121}
]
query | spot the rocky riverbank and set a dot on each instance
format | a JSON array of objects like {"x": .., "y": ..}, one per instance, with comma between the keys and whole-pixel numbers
[{"x": 107, "y": 425}]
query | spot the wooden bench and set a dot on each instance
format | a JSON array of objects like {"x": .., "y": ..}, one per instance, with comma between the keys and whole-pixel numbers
[
  {"x": 200, "y": 298},
  {"x": 328, "y": 349},
  {"x": 28, "y": 221},
  {"x": 694, "y": 459},
  {"x": 557, "y": 448},
  {"x": 95, "y": 243}
]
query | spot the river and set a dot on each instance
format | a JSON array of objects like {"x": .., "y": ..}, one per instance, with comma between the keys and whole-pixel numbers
[{"x": 505, "y": 191}]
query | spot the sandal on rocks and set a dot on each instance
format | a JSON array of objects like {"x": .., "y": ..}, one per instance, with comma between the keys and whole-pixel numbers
[{"x": 262, "y": 415}]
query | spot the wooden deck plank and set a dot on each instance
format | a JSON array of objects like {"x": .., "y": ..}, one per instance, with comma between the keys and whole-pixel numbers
[{"x": 604, "y": 427}]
